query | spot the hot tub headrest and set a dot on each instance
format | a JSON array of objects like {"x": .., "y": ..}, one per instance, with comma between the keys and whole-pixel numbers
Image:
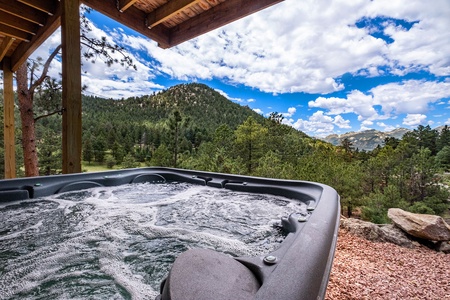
[{"x": 203, "y": 274}]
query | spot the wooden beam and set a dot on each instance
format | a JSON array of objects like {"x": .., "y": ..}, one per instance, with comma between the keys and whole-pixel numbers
[
  {"x": 7, "y": 42},
  {"x": 168, "y": 10},
  {"x": 132, "y": 18},
  {"x": 18, "y": 23},
  {"x": 71, "y": 82},
  {"x": 14, "y": 33},
  {"x": 123, "y": 5},
  {"x": 217, "y": 16},
  {"x": 23, "y": 11},
  {"x": 24, "y": 50},
  {"x": 47, "y": 6},
  {"x": 8, "y": 118}
]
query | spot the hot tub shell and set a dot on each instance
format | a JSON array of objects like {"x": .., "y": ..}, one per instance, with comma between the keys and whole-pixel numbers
[{"x": 298, "y": 269}]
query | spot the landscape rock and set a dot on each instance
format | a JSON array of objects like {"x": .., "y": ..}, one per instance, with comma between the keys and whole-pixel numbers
[
  {"x": 361, "y": 228},
  {"x": 443, "y": 247},
  {"x": 429, "y": 227},
  {"x": 394, "y": 235},
  {"x": 374, "y": 232}
]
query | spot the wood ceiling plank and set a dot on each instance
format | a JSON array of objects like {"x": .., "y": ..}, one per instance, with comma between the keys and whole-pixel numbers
[
  {"x": 216, "y": 17},
  {"x": 23, "y": 11},
  {"x": 167, "y": 11},
  {"x": 47, "y": 6},
  {"x": 24, "y": 50},
  {"x": 18, "y": 23},
  {"x": 14, "y": 33},
  {"x": 132, "y": 18},
  {"x": 7, "y": 42},
  {"x": 123, "y": 5}
]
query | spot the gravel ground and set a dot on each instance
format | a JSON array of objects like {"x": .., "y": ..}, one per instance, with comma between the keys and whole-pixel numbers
[{"x": 371, "y": 270}]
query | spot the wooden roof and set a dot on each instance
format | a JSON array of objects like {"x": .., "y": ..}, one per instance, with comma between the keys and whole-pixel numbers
[{"x": 26, "y": 24}]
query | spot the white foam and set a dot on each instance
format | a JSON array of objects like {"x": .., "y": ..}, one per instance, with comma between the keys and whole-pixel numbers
[
  {"x": 112, "y": 264},
  {"x": 98, "y": 233}
]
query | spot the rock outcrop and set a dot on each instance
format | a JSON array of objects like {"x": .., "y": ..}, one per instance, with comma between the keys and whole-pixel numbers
[{"x": 428, "y": 227}]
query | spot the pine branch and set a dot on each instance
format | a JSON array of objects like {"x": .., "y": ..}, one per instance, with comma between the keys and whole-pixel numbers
[
  {"x": 49, "y": 114},
  {"x": 39, "y": 81}
]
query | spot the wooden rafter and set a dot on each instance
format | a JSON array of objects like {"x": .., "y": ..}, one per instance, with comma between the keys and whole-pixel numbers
[
  {"x": 17, "y": 23},
  {"x": 47, "y": 6},
  {"x": 168, "y": 10},
  {"x": 24, "y": 50},
  {"x": 217, "y": 16},
  {"x": 7, "y": 42},
  {"x": 123, "y": 5},
  {"x": 23, "y": 11},
  {"x": 132, "y": 18},
  {"x": 14, "y": 33}
]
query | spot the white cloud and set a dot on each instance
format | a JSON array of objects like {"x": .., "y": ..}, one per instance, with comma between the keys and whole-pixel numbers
[
  {"x": 414, "y": 120},
  {"x": 356, "y": 102},
  {"x": 366, "y": 125},
  {"x": 291, "y": 111},
  {"x": 318, "y": 124},
  {"x": 258, "y": 111},
  {"x": 392, "y": 99},
  {"x": 115, "y": 81},
  {"x": 239, "y": 100},
  {"x": 341, "y": 123},
  {"x": 385, "y": 126}
]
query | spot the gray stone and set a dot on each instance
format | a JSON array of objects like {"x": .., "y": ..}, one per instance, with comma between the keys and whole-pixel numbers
[
  {"x": 429, "y": 227},
  {"x": 443, "y": 247},
  {"x": 393, "y": 234},
  {"x": 378, "y": 233},
  {"x": 361, "y": 228}
]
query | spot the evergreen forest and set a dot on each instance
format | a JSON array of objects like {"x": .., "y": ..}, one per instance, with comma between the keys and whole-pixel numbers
[{"x": 192, "y": 126}]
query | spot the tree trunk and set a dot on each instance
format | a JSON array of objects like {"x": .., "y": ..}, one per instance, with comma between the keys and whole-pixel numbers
[{"x": 30, "y": 157}]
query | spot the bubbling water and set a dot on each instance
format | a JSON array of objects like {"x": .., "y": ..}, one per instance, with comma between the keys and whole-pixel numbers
[{"x": 119, "y": 242}]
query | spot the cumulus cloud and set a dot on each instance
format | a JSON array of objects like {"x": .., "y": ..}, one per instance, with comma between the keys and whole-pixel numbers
[
  {"x": 414, "y": 120},
  {"x": 239, "y": 100},
  {"x": 291, "y": 111},
  {"x": 115, "y": 81},
  {"x": 258, "y": 111},
  {"x": 407, "y": 97},
  {"x": 341, "y": 123},
  {"x": 318, "y": 124},
  {"x": 356, "y": 102},
  {"x": 386, "y": 127}
]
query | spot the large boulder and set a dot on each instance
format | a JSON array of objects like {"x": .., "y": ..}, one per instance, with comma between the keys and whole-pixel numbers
[{"x": 429, "y": 227}]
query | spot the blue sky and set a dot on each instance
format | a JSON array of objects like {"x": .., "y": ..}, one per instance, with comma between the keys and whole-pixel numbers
[{"x": 328, "y": 66}]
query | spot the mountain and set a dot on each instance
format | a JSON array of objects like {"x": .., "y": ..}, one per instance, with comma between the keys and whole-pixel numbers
[
  {"x": 206, "y": 108},
  {"x": 367, "y": 139}
]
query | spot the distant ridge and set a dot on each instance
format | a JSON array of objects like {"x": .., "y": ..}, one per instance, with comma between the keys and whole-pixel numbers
[{"x": 367, "y": 139}]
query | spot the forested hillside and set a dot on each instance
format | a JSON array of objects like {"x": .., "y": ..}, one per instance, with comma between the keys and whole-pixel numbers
[{"x": 192, "y": 126}]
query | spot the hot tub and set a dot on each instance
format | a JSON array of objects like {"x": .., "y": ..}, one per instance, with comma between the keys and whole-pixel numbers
[{"x": 297, "y": 268}]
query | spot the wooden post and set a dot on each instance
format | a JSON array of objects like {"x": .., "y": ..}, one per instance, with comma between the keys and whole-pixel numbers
[
  {"x": 71, "y": 82},
  {"x": 8, "y": 106}
]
